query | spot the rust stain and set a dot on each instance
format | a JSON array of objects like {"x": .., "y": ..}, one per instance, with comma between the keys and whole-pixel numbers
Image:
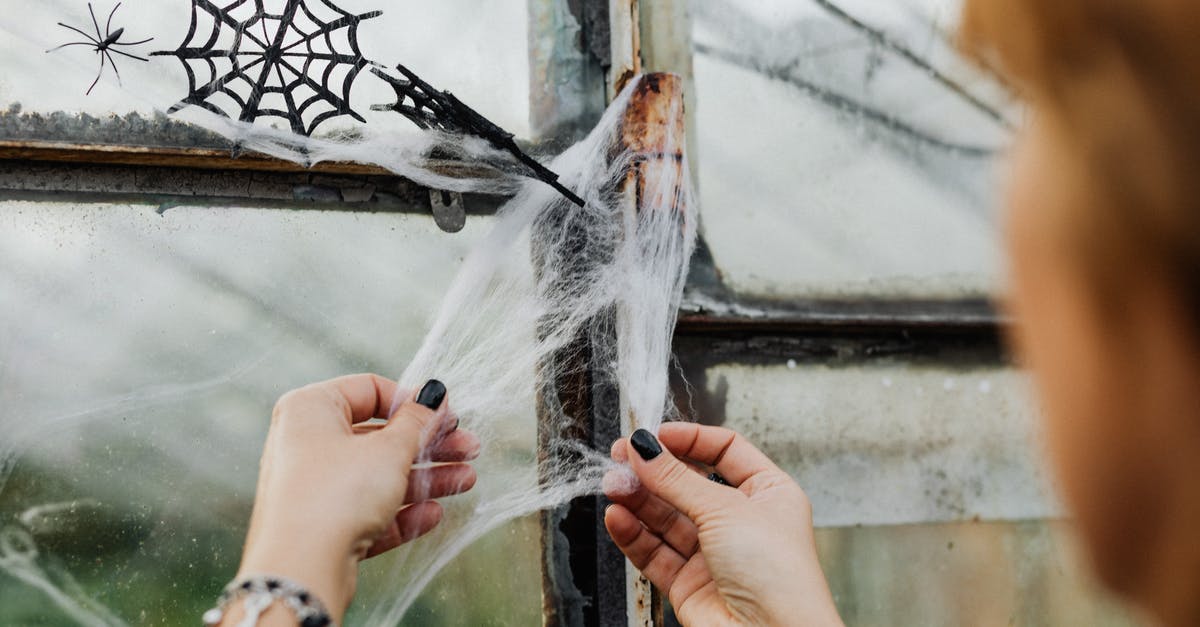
[
  {"x": 621, "y": 81},
  {"x": 653, "y": 129},
  {"x": 655, "y": 114}
]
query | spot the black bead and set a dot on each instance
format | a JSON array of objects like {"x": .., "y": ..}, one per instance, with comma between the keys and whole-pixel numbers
[
  {"x": 272, "y": 584},
  {"x": 246, "y": 585},
  {"x": 303, "y": 596},
  {"x": 315, "y": 620}
]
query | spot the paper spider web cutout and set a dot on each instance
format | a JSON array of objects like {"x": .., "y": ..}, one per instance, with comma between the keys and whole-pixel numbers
[{"x": 258, "y": 64}]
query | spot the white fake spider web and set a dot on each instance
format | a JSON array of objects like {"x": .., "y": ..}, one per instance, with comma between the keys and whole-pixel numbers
[{"x": 246, "y": 62}]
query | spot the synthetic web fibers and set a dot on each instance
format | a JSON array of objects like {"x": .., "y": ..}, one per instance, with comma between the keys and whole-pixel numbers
[
  {"x": 547, "y": 278},
  {"x": 549, "y": 274}
]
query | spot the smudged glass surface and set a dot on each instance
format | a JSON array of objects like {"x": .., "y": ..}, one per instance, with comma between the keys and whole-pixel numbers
[
  {"x": 928, "y": 490},
  {"x": 894, "y": 443},
  {"x": 42, "y": 95},
  {"x": 845, "y": 150},
  {"x": 970, "y": 573},
  {"x": 140, "y": 355}
]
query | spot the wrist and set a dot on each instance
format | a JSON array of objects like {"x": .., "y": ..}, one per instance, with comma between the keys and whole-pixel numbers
[{"x": 326, "y": 567}]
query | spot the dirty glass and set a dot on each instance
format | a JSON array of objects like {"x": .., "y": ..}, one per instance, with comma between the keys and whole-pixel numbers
[
  {"x": 844, "y": 149},
  {"x": 928, "y": 488},
  {"x": 967, "y": 573},
  {"x": 140, "y": 355},
  {"x": 43, "y": 95},
  {"x": 892, "y": 443}
]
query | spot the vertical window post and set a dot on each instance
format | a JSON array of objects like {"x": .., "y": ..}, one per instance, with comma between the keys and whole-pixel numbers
[{"x": 585, "y": 579}]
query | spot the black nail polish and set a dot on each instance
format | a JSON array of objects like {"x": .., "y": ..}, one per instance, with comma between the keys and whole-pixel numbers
[
  {"x": 716, "y": 478},
  {"x": 645, "y": 444},
  {"x": 432, "y": 394}
]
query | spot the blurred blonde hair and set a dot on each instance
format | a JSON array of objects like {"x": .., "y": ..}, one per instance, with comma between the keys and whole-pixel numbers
[{"x": 1121, "y": 80}]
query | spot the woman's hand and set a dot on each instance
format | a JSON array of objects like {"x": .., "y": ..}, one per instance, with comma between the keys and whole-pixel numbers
[
  {"x": 741, "y": 554},
  {"x": 332, "y": 492}
]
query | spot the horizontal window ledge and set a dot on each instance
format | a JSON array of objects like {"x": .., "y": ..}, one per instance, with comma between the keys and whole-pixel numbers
[
  {"x": 730, "y": 314},
  {"x": 167, "y": 186}
]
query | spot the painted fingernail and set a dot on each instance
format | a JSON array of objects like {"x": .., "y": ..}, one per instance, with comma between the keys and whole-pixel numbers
[
  {"x": 432, "y": 394},
  {"x": 645, "y": 444},
  {"x": 715, "y": 478}
]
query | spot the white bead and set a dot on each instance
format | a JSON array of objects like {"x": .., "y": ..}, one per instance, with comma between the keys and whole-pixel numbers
[{"x": 213, "y": 617}]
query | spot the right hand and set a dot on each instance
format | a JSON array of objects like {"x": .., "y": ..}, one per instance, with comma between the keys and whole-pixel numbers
[{"x": 740, "y": 555}]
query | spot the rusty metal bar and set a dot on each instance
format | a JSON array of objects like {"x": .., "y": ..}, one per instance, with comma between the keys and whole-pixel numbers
[
  {"x": 584, "y": 575},
  {"x": 653, "y": 127}
]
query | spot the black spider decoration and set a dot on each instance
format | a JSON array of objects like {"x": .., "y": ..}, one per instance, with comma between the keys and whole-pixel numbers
[
  {"x": 271, "y": 66},
  {"x": 429, "y": 108},
  {"x": 104, "y": 44},
  {"x": 281, "y": 64}
]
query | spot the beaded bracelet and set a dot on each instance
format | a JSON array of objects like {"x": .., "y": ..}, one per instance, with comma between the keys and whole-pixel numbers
[{"x": 260, "y": 592}]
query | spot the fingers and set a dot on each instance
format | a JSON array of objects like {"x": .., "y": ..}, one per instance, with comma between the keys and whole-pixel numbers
[
  {"x": 647, "y": 552},
  {"x": 457, "y": 446},
  {"x": 434, "y": 483},
  {"x": 673, "y": 481},
  {"x": 620, "y": 454},
  {"x": 659, "y": 517},
  {"x": 367, "y": 395},
  {"x": 356, "y": 398},
  {"x": 411, "y": 523},
  {"x": 734, "y": 457},
  {"x": 420, "y": 421}
]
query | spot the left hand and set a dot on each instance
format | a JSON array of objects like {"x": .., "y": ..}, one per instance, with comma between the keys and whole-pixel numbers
[{"x": 332, "y": 492}]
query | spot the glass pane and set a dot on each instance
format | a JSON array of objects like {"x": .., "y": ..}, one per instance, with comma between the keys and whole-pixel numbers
[
  {"x": 928, "y": 488},
  {"x": 140, "y": 355},
  {"x": 497, "y": 582},
  {"x": 893, "y": 443},
  {"x": 1011, "y": 573},
  {"x": 844, "y": 150},
  {"x": 479, "y": 51}
]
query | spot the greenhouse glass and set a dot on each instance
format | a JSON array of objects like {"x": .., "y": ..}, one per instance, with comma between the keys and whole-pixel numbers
[{"x": 162, "y": 286}]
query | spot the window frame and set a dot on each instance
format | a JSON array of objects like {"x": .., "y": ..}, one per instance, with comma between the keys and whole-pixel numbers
[{"x": 618, "y": 40}]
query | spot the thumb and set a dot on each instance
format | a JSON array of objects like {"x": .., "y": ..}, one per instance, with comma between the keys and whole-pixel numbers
[
  {"x": 665, "y": 476},
  {"x": 418, "y": 420}
]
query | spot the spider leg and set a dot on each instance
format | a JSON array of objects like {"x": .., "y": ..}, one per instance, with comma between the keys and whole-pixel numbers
[
  {"x": 94, "y": 22},
  {"x": 108, "y": 25},
  {"x": 98, "y": 75},
  {"x": 74, "y": 43},
  {"x": 113, "y": 63},
  {"x": 89, "y": 37},
  {"x": 131, "y": 56},
  {"x": 132, "y": 43}
]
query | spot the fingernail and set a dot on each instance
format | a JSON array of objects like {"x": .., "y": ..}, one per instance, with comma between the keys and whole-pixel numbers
[
  {"x": 432, "y": 394},
  {"x": 645, "y": 444},
  {"x": 715, "y": 478}
]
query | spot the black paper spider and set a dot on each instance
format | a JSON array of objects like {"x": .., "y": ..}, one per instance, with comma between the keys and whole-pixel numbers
[
  {"x": 103, "y": 44},
  {"x": 443, "y": 111}
]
